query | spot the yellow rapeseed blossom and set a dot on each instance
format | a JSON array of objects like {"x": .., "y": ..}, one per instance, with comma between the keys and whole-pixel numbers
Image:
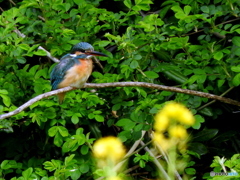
[
  {"x": 109, "y": 148},
  {"x": 178, "y": 131},
  {"x": 161, "y": 122}
]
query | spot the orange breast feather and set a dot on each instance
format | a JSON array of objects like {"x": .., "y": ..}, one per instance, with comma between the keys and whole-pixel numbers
[{"x": 78, "y": 74}]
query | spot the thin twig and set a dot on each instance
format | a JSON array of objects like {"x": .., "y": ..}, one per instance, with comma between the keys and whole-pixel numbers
[
  {"x": 133, "y": 148},
  {"x": 213, "y": 101},
  {"x": 19, "y": 33},
  {"x": 49, "y": 55},
  {"x": 40, "y": 47},
  {"x": 167, "y": 160},
  {"x": 12, "y": 2},
  {"x": 42, "y": 18},
  {"x": 122, "y": 84},
  {"x": 157, "y": 163},
  {"x": 97, "y": 62}
]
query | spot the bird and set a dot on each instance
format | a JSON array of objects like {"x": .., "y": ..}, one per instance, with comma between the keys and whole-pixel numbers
[{"x": 74, "y": 68}]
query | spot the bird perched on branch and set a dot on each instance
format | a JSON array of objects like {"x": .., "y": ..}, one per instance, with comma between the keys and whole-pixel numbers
[{"x": 74, "y": 69}]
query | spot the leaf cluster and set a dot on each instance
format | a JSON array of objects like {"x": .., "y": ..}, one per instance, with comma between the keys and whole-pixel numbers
[{"x": 188, "y": 44}]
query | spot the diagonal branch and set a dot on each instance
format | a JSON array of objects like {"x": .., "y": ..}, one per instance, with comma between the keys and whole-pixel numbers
[
  {"x": 122, "y": 84},
  {"x": 49, "y": 55}
]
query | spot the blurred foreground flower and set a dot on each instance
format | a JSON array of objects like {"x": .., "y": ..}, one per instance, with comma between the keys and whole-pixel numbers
[
  {"x": 109, "y": 148},
  {"x": 170, "y": 125},
  {"x": 170, "y": 137},
  {"x": 108, "y": 151},
  {"x": 178, "y": 131},
  {"x": 114, "y": 178},
  {"x": 176, "y": 112}
]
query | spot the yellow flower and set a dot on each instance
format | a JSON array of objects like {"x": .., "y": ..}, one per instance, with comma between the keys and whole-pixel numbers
[
  {"x": 114, "y": 178},
  {"x": 178, "y": 112},
  {"x": 159, "y": 139},
  {"x": 178, "y": 131},
  {"x": 109, "y": 148},
  {"x": 161, "y": 122},
  {"x": 186, "y": 117}
]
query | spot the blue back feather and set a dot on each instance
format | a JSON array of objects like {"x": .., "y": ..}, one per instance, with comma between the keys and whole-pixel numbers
[{"x": 59, "y": 71}]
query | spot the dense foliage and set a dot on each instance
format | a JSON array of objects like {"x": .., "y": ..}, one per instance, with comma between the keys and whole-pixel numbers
[{"x": 192, "y": 44}]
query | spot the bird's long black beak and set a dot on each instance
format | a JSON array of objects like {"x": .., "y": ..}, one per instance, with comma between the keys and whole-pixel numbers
[{"x": 96, "y": 53}]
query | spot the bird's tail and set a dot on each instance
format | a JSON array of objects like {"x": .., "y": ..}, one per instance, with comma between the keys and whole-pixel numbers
[{"x": 61, "y": 97}]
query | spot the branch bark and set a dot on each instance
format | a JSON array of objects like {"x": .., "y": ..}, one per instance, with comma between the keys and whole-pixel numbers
[
  {"x": 49, "y": 55},
  {"x": 121, "y": 84}
]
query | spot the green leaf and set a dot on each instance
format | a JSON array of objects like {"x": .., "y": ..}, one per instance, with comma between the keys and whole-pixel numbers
[
  {"x": 24, "y": 46},
  {"x": 58, "y": 139},
  {"x": 33, "y": 69},
  {"x": 205, "y": 9},
  {"x": 76, "y": 174},
  {"x": 27, "y": 173},
  {"x": 52, "y": 165},
  {"x": 3, "y": 91},
  {"x": 53, "y": 131},
  {"x": 103, "y": 43},
  {"x": 40, "y": 52},
  {"x": 233, "y": 68},
  {"x": 40, "y": 172},
  {"x": 127, "y": 124},
  {"x": 218, "y": 55},
  {"x": 151, "y": 74},
  {"x": 116, "y": 107},
  {"x": 190, "y": 171},
  {"x": 142, "y": 5},
  {"x": 187, "y": 9},
  {"x": 75, "y": 119},
  {"x": 63, "y": 131},
  {"x": 79, "y": 131},
  {"x": 199, "y": 148},
  {"x": 84, "y": 168},
  {"x": 206, "y": 111},
  {"x": 236, "y": 40},
  {"x": 176, "y": 76},
  {"x": 99, "y": 118},
  {"x": 201, "y": 78},
  {"x": 205, "y": 135},
  {"x": 199, "y": 119},
  {"x": 134, "y": 64},
  {"x": 6, "y": 100},
  {"x": 84, "y": 149},
  {"x": 21, "y": 60},
  {"x": 236, "y": 51},
  {"x": 68, "y": 159},
  {"x": 128, "y": 3},
  {"x": 220, "y": 82},
  {"x": 8, "y": 164},
  {"x": 68, "y": 32},
  {"x": 50, "y": 113},
  {"x": 236, "y": 80},
  {"x": 80, "y": 139},
  {"x": 142, "y": 164}
]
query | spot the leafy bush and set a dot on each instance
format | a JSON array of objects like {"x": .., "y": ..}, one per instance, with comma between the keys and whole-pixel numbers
[{"x": 189, "y": 44}]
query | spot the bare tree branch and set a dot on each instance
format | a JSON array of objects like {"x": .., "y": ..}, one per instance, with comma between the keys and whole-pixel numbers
[
  {"x": 19, "y": 33},
  {"x": 49, "y": 55},
  {"x": 157, "y": 163},
  {"x": 122, "y": 84}
]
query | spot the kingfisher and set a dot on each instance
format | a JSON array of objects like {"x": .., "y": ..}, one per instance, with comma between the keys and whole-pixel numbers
[{"x": 74, "y": 68}]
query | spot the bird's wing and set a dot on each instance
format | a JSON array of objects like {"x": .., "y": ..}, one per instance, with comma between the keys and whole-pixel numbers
[{"x": 59, "y": 71}]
